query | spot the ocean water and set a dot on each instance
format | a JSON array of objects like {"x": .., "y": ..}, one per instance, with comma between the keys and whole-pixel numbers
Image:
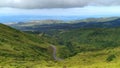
[{"x": 24, "y": 18}]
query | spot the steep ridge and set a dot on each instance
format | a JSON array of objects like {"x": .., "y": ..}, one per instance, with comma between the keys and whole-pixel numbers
[{"x": 21, "y": 46}]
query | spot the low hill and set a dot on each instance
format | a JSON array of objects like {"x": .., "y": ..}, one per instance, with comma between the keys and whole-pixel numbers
[
  {"x": 47, "y": 25},
  {"x": 34, "y": 23}
]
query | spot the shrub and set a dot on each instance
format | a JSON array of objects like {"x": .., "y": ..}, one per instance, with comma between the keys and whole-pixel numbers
[{"x": 110, "y": 58}]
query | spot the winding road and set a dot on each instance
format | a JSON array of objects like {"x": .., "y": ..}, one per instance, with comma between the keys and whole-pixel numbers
[{"x": 54, "y": 53}]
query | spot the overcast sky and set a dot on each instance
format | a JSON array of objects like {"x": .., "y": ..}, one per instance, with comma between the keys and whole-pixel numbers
[
  {"x": 60, "y": 7},
  {"x": 32, "y": 4}
]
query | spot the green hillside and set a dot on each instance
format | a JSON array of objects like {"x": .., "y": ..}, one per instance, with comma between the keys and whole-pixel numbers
[
  {"x": 107, "y": 58},
  {"x": 89, "y": 48},
  {"x": 16, "y": 46},
  {"x": 86, "y": 48},
  {"x": 85, "y": 40}
]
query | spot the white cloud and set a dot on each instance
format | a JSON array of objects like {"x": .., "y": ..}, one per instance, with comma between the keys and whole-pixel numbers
[{"x": 56, "y": 3}]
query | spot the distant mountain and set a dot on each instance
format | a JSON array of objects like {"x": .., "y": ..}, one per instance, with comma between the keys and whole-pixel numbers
[
  {"x": 88, "y": 20},
  {"x": 37, "y": 22},
  {"x": 43, "y": 25}
]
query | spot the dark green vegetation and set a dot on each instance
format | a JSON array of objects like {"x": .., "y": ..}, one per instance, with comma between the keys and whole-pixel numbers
[
  {"x": 110, "y": 58},
  {"x": 81, "y": 40},
  {"x": 85, "y": 40}
]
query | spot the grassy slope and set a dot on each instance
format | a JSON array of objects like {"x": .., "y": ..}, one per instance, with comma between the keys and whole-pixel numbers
[
  {"x": 17, "y": 46},
  {"x": 98, "y": 59}
]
